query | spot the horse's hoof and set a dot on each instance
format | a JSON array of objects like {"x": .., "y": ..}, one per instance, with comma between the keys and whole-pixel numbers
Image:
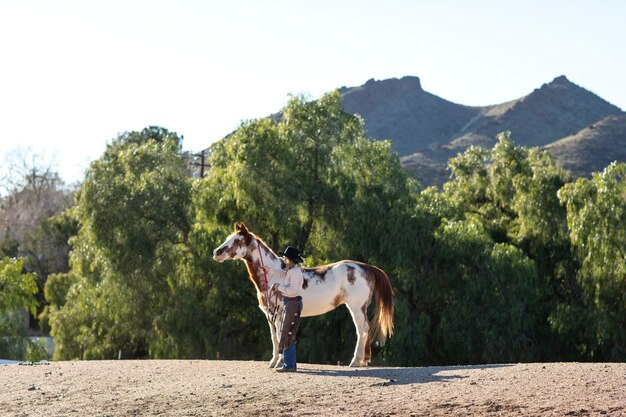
[
  {"x": 358, "y": 363},
  {"x": 272, "y": 363}
]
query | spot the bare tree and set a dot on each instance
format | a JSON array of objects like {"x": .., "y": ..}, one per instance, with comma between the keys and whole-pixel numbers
[
  {"x": 26, "y": 169},
  {"x": 33, "y": 191},
  {"x": 33, "y": 194}
]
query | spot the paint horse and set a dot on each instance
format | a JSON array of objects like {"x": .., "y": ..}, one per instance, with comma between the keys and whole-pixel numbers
[{"x": 324, "y": 288}]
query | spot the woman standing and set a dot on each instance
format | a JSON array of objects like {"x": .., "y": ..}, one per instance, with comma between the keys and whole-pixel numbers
[{"x": 291, "y": 290}]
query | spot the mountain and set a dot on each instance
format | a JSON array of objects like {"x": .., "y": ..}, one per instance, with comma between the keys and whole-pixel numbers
[
  {"x": 402, "y": 111},
  {"x": 547, "y": 114},
  {"x": 427, "y": 130},
  {"x": 592, "y": 148}
]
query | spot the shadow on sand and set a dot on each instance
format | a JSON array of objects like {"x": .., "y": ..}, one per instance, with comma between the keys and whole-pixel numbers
[{"x": 400, "y": 376}]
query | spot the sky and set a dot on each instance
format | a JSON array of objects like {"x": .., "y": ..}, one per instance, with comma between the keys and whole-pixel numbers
[{"x": 75, "y": 74}]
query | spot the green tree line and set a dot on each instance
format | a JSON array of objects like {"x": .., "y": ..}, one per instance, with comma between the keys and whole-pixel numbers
[{"x": 511, "y": 261}]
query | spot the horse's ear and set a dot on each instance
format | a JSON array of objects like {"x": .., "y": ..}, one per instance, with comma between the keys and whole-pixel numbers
[{"x": 243, "y": 228}]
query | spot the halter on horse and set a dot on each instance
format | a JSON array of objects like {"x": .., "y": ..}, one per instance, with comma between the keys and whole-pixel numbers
[{"x": 325, "y": 288}]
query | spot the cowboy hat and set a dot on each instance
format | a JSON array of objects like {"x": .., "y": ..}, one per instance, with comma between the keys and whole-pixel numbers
[{"x": 292, "y": 253}]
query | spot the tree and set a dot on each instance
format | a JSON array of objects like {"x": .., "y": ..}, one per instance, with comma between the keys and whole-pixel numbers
[
  {"x": 499, "y": 266},
  {"x": 312, "y": 180},
  {"x": 596, "y": 216},
  {"x": 134, "y": 214},
  {"x": 287, "y": 169},
  {"x": 33, "y": 191},
  {"x": 33, "y": 195},
  {"x": 489, "y": 313},
  {"x": 17, "y": 292},
  {"x": 492, "y": 259}
]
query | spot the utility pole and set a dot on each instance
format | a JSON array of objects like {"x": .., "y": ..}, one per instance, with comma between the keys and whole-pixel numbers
[{"x": 202, "y": 165}]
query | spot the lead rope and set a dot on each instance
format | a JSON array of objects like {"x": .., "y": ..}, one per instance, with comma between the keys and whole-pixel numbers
[
  {"x": 276, "y": 307},
  {"x": 267, "y": 297},
  {"x": 270, "y": 314}
]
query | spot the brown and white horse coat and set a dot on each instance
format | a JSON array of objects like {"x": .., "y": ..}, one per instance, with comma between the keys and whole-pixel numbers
[{"x": 324, "y": 288}]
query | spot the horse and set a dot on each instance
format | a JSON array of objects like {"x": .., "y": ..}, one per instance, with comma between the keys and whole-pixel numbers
[{"x": 324, "y": 288}]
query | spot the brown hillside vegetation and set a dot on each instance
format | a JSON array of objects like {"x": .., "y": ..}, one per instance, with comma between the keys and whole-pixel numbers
[{"x": 201, "y": 388}]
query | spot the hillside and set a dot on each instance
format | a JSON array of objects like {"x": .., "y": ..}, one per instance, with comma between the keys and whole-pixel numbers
[
  {"x": 583, "y": 131},
  {"x": 427, "y": 130},
  {"x": 402, "y": 111},
  {"x": 235, "y": 388},
  {"x": 594, "y": 147},
  {"x": 555, "y": 110}
]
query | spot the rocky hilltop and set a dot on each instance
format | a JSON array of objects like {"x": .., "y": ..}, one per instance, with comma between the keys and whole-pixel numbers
[
  {"x": 583, "y": 131},
  {"x": 402, "y": 111}
]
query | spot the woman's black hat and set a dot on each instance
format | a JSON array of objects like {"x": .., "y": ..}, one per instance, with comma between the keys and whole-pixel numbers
[{"x": 293, "y": 254}]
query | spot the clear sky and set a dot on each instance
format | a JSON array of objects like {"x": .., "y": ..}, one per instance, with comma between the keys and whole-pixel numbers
[{"x": 73, "y": 74}]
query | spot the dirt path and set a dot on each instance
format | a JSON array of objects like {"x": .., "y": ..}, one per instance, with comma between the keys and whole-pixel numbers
[{"x": 200, "y": 388}]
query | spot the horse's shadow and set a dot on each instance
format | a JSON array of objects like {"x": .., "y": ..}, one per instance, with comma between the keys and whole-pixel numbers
[{"x": 398, "y": 376}]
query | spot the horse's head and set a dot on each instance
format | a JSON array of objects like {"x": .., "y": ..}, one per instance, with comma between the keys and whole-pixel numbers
[{"x": 236, "y": 246}]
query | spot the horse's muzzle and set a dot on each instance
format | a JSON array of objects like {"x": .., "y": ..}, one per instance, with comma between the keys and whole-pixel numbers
[{"x": 216, "y": 255}]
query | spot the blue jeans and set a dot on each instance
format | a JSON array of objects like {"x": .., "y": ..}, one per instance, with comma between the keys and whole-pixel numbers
[{"x": 289, "y": 356}]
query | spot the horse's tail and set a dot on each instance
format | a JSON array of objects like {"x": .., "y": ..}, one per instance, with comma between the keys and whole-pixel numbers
[{"x": 382, "y": 323}]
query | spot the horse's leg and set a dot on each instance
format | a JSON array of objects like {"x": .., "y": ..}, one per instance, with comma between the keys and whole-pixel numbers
[
  {"x": 275, "y": 357},
  {"x": 276, "y": 340},
  {"x": 359, "y": 316},
  {"x": 278, "y": 326}
]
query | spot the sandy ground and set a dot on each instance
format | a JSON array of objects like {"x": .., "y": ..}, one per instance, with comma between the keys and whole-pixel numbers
[{"x": 199, "y": 388}]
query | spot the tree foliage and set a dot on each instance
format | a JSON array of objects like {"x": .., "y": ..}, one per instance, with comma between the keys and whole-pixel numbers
[
  {"x": 511, "y": 261},
  {"x": 596, "y": 216},
  {"x": 134, "y": 214},
  {"x": 511, "y": 191},
  {"x": 18, "y": 292},
  {"x": 31, "y": 196},
  {"x": 303, "y": 181}
]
